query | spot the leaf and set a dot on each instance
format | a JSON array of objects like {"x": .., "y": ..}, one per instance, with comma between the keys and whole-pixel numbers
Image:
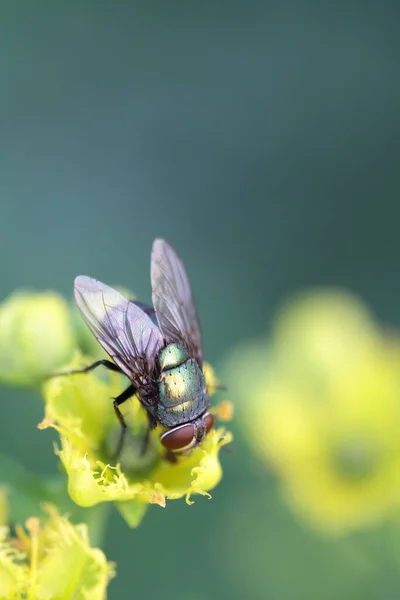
[{"x": 132, "y": 511}]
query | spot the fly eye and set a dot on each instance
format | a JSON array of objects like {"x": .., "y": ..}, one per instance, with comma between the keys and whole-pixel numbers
[
  {"x": 208, "y": 422},
  {"x": 178, "y": 438}
]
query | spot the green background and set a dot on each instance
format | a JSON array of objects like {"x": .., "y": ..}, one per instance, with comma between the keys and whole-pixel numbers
[{"x": 261, "y": 139}]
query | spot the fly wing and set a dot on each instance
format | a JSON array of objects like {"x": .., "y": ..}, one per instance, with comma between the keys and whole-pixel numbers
[
  {"x": 126, "y": 333},
  {"x": 173, "y": 299},
  {"x": 149, "y": 310}
]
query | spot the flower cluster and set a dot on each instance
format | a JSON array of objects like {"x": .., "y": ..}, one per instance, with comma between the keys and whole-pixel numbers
[
  {"x": 51, "y": 558},
  {"x": 321, "y": 405}
]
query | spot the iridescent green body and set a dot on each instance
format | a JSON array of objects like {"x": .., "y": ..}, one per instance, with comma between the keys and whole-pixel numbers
[{"x": 182, "y": 387}]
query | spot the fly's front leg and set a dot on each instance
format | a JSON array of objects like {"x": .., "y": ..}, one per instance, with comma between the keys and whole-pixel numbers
[
  {"x": 104, "y": 362},
  {"x": 220, "y": 387},
  {"x": 128, "y": 393},
  {"x": 145, "y": 442}
]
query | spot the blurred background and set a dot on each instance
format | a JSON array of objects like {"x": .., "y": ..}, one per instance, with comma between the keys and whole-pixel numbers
[{"x": 261, "y": 139}]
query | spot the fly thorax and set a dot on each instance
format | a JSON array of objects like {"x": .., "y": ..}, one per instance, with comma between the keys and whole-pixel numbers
[
  {"x": 171, "y": 356},
  {"x": 182, "y": 387}
]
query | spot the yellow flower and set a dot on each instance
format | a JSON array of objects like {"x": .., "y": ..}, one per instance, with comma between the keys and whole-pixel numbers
[
  {"x": 51, "y": 559},
  {"x": 36, "y": 336},
  {"x": 80, "y": 408},
  {"x": 324, "y": 411}
]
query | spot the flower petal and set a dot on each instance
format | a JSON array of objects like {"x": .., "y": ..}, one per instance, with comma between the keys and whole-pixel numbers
[
  {"x": 67, "y": 551},
  {"x": 14, "y": 574}
]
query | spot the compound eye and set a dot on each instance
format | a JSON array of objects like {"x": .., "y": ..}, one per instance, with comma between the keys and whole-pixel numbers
[
  {"x": 208, "y": 422},
  {"x": 178, "y": 438}
]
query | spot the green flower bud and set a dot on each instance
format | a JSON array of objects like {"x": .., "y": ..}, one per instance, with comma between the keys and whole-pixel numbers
[{"x": 36, "y": 337}]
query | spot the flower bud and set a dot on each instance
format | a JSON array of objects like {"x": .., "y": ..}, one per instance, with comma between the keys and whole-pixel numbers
[{"x": 36, "y": 337}]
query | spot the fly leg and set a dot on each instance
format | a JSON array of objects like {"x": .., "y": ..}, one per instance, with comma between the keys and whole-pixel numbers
[
  {"x": 220, "y": 387},
  {"x": 128, "y": 393},
  {"x": 104, "y": 362},
  {"x": 146, "y": 438}
]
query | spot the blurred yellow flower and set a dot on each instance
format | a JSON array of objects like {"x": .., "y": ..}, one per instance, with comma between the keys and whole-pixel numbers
[
  {"x": 321, "y": 404},
  {"x": 79, "y": 407},
  {"x": 51, "y": 559},
  {"x": 36, "y": 336},
  {"x": 3, "y": 506}
]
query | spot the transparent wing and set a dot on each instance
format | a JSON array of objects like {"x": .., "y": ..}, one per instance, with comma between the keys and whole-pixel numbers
[
  {"x": 173, "y": 300},
  {"x": 126, "y": 333},
  {"x": 149, "y": 310}
]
